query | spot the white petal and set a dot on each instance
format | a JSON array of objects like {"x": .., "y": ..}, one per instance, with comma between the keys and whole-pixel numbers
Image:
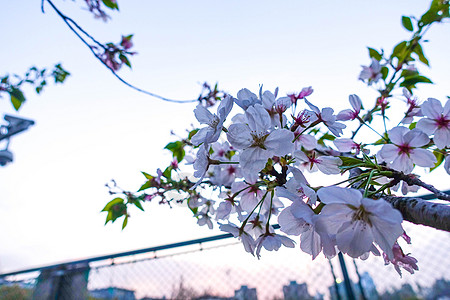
[
  {"x": 310, "y": 243},
  {"x": 253, "y": 160},
  {"x": 354, "y": 238},
  {"x": 344, "y": 145},
  {"x": 423, "y": 157},
  {"x": 416, "y": 138},
  {"x": 258, "y": 119},
  {"x": 279, "y": 142},
  {"x": 203, "y": 115},
  {"x": 396, "y": 134},
  {"x": 385, "y": 234},
  {"x": 329, "y": 164},
  {"x": 442, "y": 137},
  {"x": 432, "y": 108},
  {"x": 355, "y": 102},
  {"x": 339, "y": 195},
  {"x": 388, "y": 152},
  {"x": 200, "y": 136},
  {"x": 403, "y": 163},
  {"x": 239, "y": 136},
  {"x": 428, "y": 126},
  {"x": 290, "y": 224}
]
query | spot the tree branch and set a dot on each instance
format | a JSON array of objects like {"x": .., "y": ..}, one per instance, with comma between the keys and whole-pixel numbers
[
  {"x": 74, "y": 27},
  {"x": 419, "y": 211},
  {"x": 414, "y": 180}
]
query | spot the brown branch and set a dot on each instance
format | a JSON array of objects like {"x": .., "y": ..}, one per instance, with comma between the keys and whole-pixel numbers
[
  {"x": 419, "y": 211},
  {"x": 414, "y": 180}
]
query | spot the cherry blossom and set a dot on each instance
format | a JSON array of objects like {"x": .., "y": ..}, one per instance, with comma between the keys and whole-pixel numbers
[
  {"x": 348, "y": 145},
  {"x": 326, "y": 164},
  {"x": 247, "y": 240},
  {"x": 256, "y": 142},
  {"x": 299, "y": 219},
  {"x": 303, "y": 93},
  {"x": 371, "y": 73},
  {"x": 211, "y": 133},
  {"x": 405, "y": 151},
  {"x": 246, "y": 99},
  {"x": 201, "y": 164},
  {"x": 413, "y": 107},
  {"x": 437, "y": 121},
  {"x": 272, "y": 241},
  {"x": 326, "y": 116},
  {"x": 249, "y": 195},
  {"x": 300, "y": 187},
  {"x": 348, "y": 114},
  {"x": 400, "y": 260},
  {"x": 359, "y": 222}
]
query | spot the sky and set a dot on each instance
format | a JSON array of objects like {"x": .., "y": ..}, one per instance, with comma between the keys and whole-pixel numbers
[{"x": 93, "y": 128}]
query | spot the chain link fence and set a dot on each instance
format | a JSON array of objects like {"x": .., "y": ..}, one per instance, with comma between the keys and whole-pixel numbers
[{"x": 219, "y": 268}]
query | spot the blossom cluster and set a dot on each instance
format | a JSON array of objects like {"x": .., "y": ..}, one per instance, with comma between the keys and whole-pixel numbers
[{"x": 258, "y": 162}]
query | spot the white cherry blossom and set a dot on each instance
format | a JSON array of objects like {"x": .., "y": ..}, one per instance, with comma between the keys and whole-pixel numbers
[
  {"x": 211, "y": 133},
  {"x": 437, "y": 121},
  {"x": 348, "y": 114},
  {"x": 246, "y": 99},
  {"x": 326, "y": 164},
  {"x": 371, "y": 73},
  {"x": 359, "y": 222},
  {"x": 405, "y": 150},
  {"x": 326, "y": 116},
  {"x": 272, "y": 241},
  {"x": 256, "y": 142}
]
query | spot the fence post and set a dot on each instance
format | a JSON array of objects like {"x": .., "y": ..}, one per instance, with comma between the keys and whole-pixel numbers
[
  {"x": 347, "y": 282},
  {"x": 68, "y": 282}
]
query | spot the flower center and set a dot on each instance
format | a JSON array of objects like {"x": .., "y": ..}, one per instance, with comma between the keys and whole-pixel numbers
[
  {"x": 258, "y": 140},
  {"x": 405, "y": 148},
  {"x": 443, "y": 122},
  {"x": 214, "y": 122},
  {"x": 360, "y": 214}
]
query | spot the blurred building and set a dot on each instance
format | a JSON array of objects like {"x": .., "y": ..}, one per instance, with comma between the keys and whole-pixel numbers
[{"x": 295, "y": 291}]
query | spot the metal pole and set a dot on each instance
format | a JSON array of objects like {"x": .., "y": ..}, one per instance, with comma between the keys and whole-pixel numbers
[
  {"x": 347, "y": 282},
  {"x": 336, "y": 286},
  {"x": 361, "y": 289}
]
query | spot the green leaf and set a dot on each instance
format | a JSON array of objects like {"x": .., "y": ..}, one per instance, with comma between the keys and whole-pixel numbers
[
  {"x": 125, "y": 222},
  {"x": 419, "y": 51},
  {"x": 384, "y": 72},
  {"x": 148, "y": 176},
  {"x": 412, "y": 125},
  {"x": 125, "y": 60},
  {"x": 439, "y": 157},
  {"x": 413, "y": 80},
  {"x": 17, "y": 97},
  {"x": 350, "y": 161},
  {"x": 145, "y": 186},
  {"x": 177, "y": 149},
  {"x": 168, "y": 172},
  {"x": 111, "y": 4},
  {"x": 192, "y": 133},
  {"x": 399, "y": 50},
  {"x": 406, "y": 22},
  {"x": 138, "y": 204},
  {"x": 374, "y": 54},
  {"x": 326, "y": 136},
  {"x": 112, "y": 203}
]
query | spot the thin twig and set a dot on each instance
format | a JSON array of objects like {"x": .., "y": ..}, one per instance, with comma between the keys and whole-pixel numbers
[
  {"x": 75, "y": 28},
  {"x": 414, "y": 180}
]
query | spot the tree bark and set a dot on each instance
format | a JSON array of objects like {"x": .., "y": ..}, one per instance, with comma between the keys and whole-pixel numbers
[{"x": 419, "y": 211}]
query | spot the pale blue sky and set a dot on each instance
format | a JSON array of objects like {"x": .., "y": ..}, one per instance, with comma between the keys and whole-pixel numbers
[{"x": 93, "y": 128}]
